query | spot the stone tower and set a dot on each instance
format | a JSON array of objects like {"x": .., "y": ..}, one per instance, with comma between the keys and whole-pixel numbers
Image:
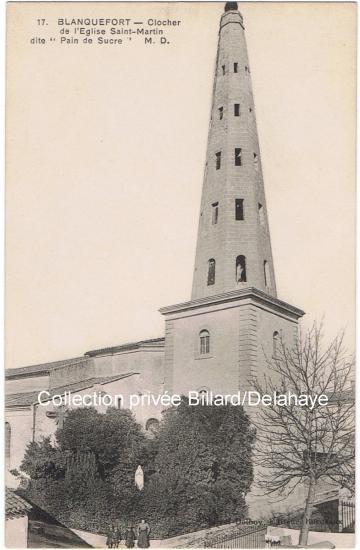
[
  {"x": 220, "y": 339},
  {"x": 233, "y": 247}
]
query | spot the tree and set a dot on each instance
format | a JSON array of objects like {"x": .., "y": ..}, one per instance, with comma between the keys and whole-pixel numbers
[
  {"x": 299, "y": 443},
  {"x": 203, "y": 468},
  {"x": 86, "y": 478}
]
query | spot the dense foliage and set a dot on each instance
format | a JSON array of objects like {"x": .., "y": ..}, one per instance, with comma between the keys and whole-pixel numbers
[
  {"x": 203, "y": 468},
  {"x": 198, "y": 469},
  {"x": 79, "y": 478}
]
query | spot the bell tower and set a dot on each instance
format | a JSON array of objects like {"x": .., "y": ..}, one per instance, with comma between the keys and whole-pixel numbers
[
  {"x": 233, "y": 246},
  {"x": 220, "y": 339}
]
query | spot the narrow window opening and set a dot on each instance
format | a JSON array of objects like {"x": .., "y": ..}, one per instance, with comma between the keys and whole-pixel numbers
[
  {"x": 218, "y": 160},
  {"x": 235, "y": 67},
  {"x": 211, "y": 272},
  {"x": 261, "y": 214},
  {"x": 223, "y": 69},
  {"x": 266, "y": 273},
  {"x": 256, "y": 162},
  {"x": 276, "y": 342},
  {"x": 241, "y": 269},
  {"x": 250, "y": 110},
  {"x": 236, "y": 109},
  {"x": 238, "y": 157},
  {"x": 221, "y": 112},
  {"x": 239, "y": 209},
  {"x": 204, "y": 342},
  {"x": 118, "y": 402},
  {"x": 215, "y": 213}
]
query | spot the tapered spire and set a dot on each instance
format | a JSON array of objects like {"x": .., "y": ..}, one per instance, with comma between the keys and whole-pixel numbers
[{"x": 233, "y": 247}]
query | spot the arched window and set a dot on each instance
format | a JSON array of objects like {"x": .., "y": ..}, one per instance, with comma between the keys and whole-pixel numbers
[
  {"x": 7, "y": 444},
  {"x": 204, "y": 342},
  {"x": 203, "y": 395},
  {"x": 241, "y": 269},
  {"x": 152, "y": 426},
  {"x": 211, "y": 272},
  {"x": 276, "y": 342},
  {"x": 266, "y": 273}
]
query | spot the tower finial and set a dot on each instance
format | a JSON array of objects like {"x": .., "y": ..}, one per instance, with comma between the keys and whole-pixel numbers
[{"x": 231, "y": 6}]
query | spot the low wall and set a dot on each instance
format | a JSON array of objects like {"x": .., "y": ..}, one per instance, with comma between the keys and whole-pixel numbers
[
  {"x": 16, "y": 531},
  {"x": 340, "y": 540},
  {"x": 96, "y": 541}
]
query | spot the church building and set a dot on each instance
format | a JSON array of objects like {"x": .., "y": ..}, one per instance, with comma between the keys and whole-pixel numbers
[{"x": 217, "y": 341}]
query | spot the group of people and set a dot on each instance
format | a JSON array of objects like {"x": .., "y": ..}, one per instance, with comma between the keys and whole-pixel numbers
[{"x": 142, "y": 536}]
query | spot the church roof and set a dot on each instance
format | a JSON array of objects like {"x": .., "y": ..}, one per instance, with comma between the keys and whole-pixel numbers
[
  {"x": 15, "y": 506},
  {"x": 83, "y": 384},
  {"x": 43, "y": 368},
  {"x": 46, "y": 368},
  {"x": 21, "y": 399},
  {"x": 26, "y": 399},
  {"x": 154, "y": 342}
]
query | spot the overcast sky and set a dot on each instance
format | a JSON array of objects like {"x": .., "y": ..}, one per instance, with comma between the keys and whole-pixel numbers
[{"x": 106, "y": 148}]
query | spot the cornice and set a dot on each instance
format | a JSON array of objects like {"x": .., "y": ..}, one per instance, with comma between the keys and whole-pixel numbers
[{"x": 234, "y": 295}]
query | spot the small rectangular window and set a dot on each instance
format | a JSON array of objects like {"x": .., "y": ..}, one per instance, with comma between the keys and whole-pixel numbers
[
  {"x": 238, "y": 156},
  {"x": 235, "y": 67},
  {"x": 236, "y": 109},
  {"x": 218, "y": 160},
  {"x": 118, "y": 402},
  {"x": 223, "y": 69},
  {"x": 256, "y": 162},
  {"x": 261, "y": 213},
  {"x": 211, "y": 272},
  {"x": 239, "y": 209},
  {"x": 214, "y": 213},
  {"x": 221, "y": 112}
]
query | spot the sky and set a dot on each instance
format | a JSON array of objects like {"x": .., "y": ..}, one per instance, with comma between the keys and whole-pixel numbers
[{"x": 105, "y": 155}]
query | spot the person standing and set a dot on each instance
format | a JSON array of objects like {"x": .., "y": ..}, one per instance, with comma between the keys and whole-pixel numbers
[
  {"x": 117, "y": 537},
  {"x": 143, "y": 534},
  {"x": 110, "y": 538},
  {"x": 130, "y": 537}
]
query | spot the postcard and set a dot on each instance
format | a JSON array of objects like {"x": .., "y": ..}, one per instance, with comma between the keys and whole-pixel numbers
[{"x": 180, "y": 274}]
